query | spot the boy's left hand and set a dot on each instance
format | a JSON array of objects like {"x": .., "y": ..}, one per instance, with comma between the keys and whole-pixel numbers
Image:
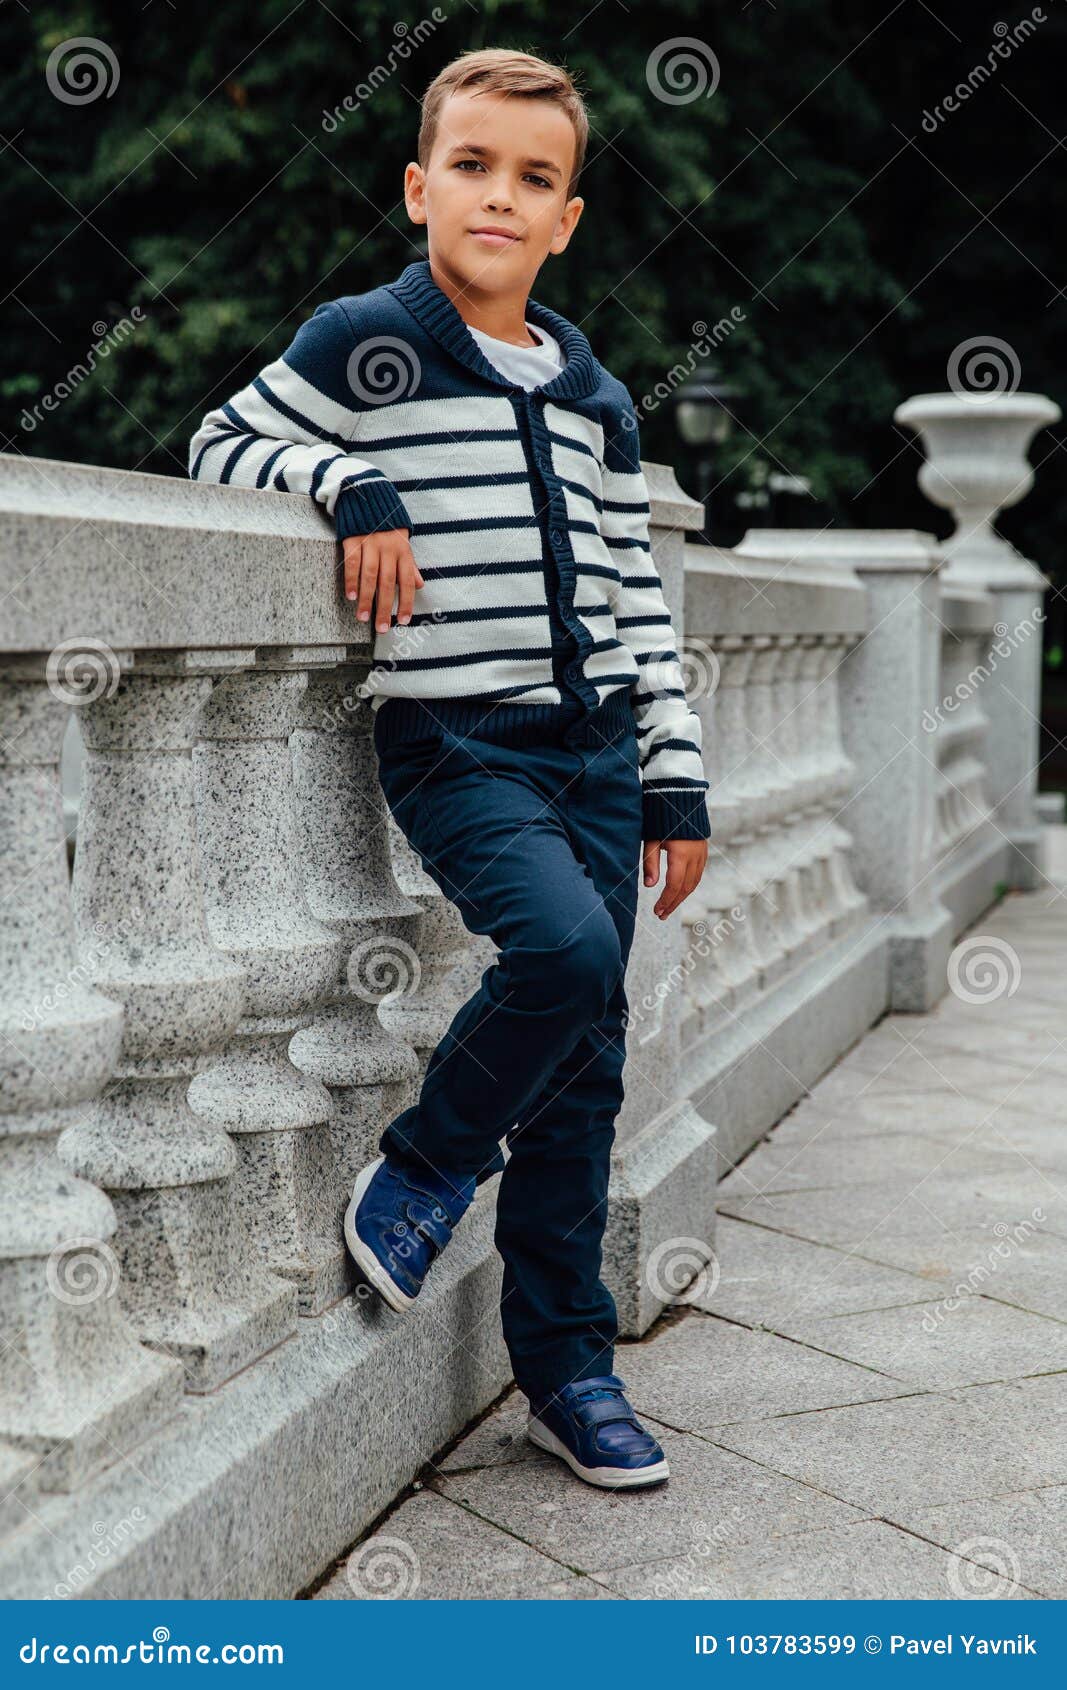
[{"x": 686, "y": 860}]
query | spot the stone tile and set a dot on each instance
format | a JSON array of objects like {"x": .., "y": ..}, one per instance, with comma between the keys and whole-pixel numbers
[
  {"x": 783, "y": 1166},
  {"x": 702, "y": 1372},
  {"x": 859, "y": 1118},
  {"x": 928, "y": 1227},
  {"x": 1034, "y": 1002},
  {"x": 711, "y": 1492},
  {"x": 868, "y": 1561},
  {"x": 920, "y": 1451},
  {"x": 497, "y": 1440},
  {"x": 1030, "y": 1139},
  {"x": 982, "y": 1126},
  {"x": 1033, "y": 1276},
  {"x": 961, "y": 1340},
  {"x": 927, "y": 1069},
  {"x": 765, "y": 1276},
  {"x": 1036, "y": 1041},
  {"x": 1019, "y": 1536},
  {"x": 429, "y": 1549}
]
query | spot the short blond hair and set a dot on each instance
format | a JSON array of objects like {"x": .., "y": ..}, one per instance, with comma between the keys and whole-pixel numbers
[{"x": 501, "y": 70}]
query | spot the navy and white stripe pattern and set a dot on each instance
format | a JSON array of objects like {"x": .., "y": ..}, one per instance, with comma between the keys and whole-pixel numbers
[{"x": 385, "y": 410}]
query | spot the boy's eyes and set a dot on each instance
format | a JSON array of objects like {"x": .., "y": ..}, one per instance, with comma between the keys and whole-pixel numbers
[{"x": 531, "y": 177}]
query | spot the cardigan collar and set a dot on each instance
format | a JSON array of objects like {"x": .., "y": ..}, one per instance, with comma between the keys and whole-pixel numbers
[{"x": 416, "y": 288}]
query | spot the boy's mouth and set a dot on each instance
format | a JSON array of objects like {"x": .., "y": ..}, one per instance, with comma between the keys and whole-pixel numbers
[{"x": 494, "y": 236}]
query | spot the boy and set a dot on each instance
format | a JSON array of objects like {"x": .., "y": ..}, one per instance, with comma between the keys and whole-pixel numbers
[{"x": 530, "y": 722}]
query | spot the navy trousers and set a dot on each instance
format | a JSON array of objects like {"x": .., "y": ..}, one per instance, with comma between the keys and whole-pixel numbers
[{"x": 539, "y": 847}]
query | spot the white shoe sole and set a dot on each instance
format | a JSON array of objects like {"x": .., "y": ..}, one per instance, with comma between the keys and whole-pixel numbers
[
  {"x": 363, "y": 1256},
  {"x": 607, "y": 1478}
]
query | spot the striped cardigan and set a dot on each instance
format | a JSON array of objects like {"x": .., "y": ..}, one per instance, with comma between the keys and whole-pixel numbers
[{"x": 527, "y": 511}]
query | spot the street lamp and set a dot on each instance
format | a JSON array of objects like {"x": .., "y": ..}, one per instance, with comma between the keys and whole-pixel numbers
[
  {"x": 702, "y": 407},
  {"x": 703, "y": 415}
]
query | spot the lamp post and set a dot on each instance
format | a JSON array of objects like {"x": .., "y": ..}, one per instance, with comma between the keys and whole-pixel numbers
[{"x": 703, "y": 415}]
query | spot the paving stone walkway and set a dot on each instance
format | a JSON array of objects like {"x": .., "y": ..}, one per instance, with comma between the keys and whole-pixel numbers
[{"x": 871, "y": 1401}]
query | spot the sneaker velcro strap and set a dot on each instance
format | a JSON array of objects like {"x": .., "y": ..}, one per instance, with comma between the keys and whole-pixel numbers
[
  {"x": 595, "y": 1413},
  {"x": 603, "y": 1382},
  {"x": 453, "y": 1204},
  {"x": 429, "y": 1220}
]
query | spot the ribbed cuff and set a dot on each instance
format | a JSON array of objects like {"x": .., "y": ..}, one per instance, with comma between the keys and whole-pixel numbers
[
  {"x": 675, "y": 815},
  {"x": 370, "y": 507}
]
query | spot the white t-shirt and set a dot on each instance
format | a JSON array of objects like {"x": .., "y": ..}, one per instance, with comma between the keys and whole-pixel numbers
[{"x": 527, "y": 366}]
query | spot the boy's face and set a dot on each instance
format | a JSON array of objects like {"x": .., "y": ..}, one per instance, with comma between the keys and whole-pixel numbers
[{"x": 496, "y": 162}]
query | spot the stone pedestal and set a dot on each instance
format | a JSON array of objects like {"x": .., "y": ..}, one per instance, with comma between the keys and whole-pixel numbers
[
  {"x": 976, "y": 445},
  {"x": 889, "y": 680}
]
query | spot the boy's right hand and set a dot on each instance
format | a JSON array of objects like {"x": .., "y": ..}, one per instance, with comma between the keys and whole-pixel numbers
[{"x": 383, "y": 562}]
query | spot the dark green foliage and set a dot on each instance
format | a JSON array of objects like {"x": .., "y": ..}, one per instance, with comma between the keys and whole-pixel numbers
[{"x": 861, "y": 249}]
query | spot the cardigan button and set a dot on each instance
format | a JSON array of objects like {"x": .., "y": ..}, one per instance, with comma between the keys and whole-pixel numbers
[{"x": 556, "y": 537}]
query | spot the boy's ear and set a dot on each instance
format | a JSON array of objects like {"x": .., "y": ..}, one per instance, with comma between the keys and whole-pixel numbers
[
  {"x": 415, "y": 192},
  {"x": 568, "y": 222}
]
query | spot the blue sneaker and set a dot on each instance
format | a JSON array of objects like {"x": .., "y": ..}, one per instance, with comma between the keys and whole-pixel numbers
[
  {"x": 592, "y": 1427},
  {"x": 398, "y": 1222}
]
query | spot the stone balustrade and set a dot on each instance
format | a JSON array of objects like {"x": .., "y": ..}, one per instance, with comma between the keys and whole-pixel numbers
[{"x": 207, "y": 1021}]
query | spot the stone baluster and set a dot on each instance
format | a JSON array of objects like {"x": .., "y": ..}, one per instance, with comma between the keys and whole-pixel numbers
[
  {"x": 845, "y": 903},
  {"x": 192, "y": 1283},
  {"x": 951, "y": 819},
  {"x": 349, "y": 887},
  {"x": 795, "y": 755},
  {"x": 763, "y": 789},
  {"x": 727, "y": 971},
  {"x": 962, "y": 729},
  {"x": 76, "y": 1389},
  {"x": 770, "y": 702},
  {"x": 810, "y": 835},
  {"x": 286, "y": 1186},
  {"x": 422, "y": 1016},
  {"x": 739, "y": 786}
]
